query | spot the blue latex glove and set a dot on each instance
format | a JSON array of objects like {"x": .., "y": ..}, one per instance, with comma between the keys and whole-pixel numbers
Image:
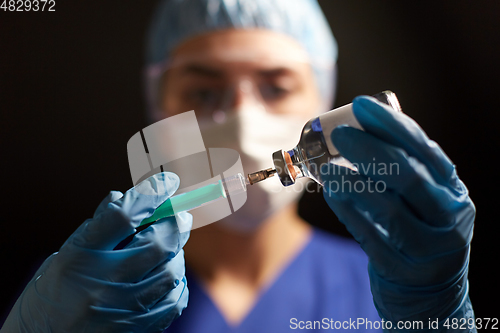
[
  {"x": 89, "y": 287},
  {"x": 414, "y": 223}
]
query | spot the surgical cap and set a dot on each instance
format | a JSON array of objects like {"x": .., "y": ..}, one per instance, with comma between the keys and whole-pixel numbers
[{"x": 175, "y": 21}]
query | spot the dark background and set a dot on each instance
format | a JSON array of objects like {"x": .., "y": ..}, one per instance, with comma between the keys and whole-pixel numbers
[{"x": 71, "y": 97}]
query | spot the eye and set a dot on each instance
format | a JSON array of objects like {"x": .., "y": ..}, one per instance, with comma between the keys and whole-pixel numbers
[
  {"x": 204, "y": 96},
  {"x": 272, "y": 92}
]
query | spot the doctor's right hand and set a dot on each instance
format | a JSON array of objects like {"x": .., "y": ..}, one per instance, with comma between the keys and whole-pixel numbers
[{"x": 89, "y": 286}]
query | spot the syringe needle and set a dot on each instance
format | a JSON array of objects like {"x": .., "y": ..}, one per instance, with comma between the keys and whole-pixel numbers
[{"x": 259, "y": 176}]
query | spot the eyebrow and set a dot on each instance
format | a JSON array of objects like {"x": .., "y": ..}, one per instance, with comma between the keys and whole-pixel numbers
[
  {"x": 203, "y": 71},
  {"x": 274, "y": 72},
  {"x": 211, "y": 72}
]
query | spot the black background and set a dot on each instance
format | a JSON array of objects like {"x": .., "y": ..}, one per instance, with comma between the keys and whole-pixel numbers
[{"x": 71, "y": 97}]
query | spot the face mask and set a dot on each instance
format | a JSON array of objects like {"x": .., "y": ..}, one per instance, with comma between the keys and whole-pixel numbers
[{"x": 256, "y": 134}]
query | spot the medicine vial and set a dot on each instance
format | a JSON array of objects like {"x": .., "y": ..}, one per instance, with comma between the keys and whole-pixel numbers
[{"x": 315, "y": 148}]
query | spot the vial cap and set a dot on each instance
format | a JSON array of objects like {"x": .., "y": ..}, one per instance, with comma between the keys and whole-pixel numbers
[{"x": 281, "y": 167}]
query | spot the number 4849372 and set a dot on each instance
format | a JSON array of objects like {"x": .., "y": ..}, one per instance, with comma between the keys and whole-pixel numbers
[{"x": 28, "y": 5}]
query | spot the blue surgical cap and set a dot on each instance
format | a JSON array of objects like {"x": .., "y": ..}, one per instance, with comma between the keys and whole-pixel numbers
[{"x": 174, "y": 21}]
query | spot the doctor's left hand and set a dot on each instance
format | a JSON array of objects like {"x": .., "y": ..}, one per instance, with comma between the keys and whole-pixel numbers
[
  {"x": 89, "y": 286},
  {"x": 408, "y": 210}
]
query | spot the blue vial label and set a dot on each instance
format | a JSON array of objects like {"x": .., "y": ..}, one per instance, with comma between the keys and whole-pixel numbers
[{"x": 316, "y": 125}]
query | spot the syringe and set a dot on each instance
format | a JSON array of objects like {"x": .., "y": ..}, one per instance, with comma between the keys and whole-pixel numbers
[
  {"x": 209, "y": 193},
  {"x": 259, "y": 176}
]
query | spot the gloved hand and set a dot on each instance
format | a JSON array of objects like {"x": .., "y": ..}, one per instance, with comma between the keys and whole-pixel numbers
[
  {"x": 89, "y": 287},
  {"x": 410, "y": 213}
]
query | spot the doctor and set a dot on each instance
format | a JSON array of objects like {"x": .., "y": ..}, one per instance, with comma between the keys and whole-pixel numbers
[{"x": 244, "y": 66}]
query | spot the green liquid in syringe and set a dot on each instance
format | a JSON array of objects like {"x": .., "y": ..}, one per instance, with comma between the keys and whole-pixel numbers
[{"x": 198, "y": 197}]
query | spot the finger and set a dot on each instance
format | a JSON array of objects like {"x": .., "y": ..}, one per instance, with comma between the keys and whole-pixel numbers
[
  {"x": 151, "y": 247},
  {"x": 406, "y": 232},
  {"x": 371, "y": 237},
  {"x": 169, "y": 309},
  {"x": 168, "y": 232},
  {"x": 403, "y": 132},
  {"x": 143, "y": 295},
  {"x": 111, "y": 197},
  {"x": 171, "y": 273},
  {"x": 391, "y": 264},
  {"x": 384, "y": 162},
  {"x": 121, "y": 217},
  {"x": 159, "y": 317}
]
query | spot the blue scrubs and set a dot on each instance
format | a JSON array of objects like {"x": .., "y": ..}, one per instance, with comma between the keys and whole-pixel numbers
[{"x": 325, "y": 285}]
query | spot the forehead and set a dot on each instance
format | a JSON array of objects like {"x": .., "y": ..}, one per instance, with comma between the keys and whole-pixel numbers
[{"x": 237, "y": 50}]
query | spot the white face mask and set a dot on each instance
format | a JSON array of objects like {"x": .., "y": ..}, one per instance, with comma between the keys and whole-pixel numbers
[{"x": 256, "y": 134}]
